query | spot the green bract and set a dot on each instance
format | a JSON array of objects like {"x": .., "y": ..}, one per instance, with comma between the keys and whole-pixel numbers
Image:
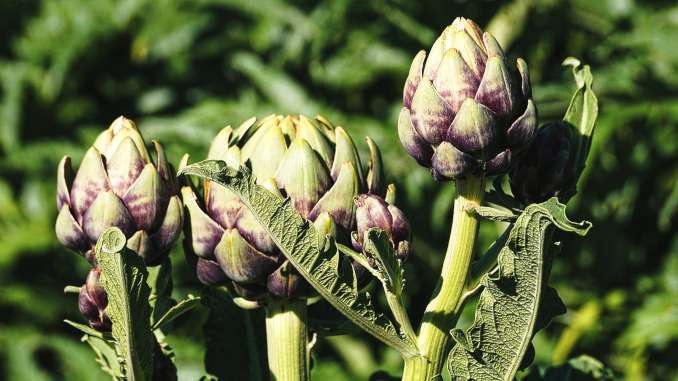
[
  {"x": 310, "y": 161},
  {"x": 466, "y": 111},
  {"x": 117, "y": 185}
]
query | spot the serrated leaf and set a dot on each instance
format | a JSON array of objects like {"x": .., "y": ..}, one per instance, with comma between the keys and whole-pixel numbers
[
  {"x": 105, "y": 356},
  {"x": 123, "y": 277},
  {"x": 329, "y": 272},
  {"x": 515, "y": 301},
  {"x": 177, "y": 310},
  {"x": 386, "y": 261},
  {"x": 392, "y": 277}
]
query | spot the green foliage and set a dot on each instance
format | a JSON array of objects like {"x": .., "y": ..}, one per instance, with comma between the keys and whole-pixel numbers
[
  {"x": 316, "y": 258},
  {"x": 184, "y": 69},
  {"x": 516, "y": 300}
]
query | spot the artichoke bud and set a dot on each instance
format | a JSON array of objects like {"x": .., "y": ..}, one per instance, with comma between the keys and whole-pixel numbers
[
  {"x": 310, "y": 161},
  {"x": 373, "y": 211},
  {"x": 118, "y": 185},
  {"x": 466, "y": 112},
  {"x": 547, "y": 168},
  {"x": 92, "y": 301}
]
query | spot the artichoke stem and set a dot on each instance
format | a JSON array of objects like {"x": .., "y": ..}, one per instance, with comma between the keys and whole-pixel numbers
[
  {"x": 442, "y": 311},
  {"x": 287, "y": 339}
]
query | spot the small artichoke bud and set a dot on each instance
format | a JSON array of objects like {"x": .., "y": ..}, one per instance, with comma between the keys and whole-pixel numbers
[
  {"x": 310, "y": 161},
  {"x": 117, "y": 185},
  {"x": 373, "y": 212},
  {"x": 546, "y": 168},
  {"x": 466, "y": 112},
  {"x": 92, "y": 301}
]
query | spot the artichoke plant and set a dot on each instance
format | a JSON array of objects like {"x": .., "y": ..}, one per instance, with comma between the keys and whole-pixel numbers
[
  {"x": 547, "y": 167},
  {"x": 466, "y": 112},
  {"x": 310, "y": 161},
  {"x": 117, "y": 185}
]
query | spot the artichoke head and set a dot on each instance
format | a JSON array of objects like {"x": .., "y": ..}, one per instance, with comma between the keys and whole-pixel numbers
[
  {"x": 118, "y": 185},
  {"x": 466, "y": 111},
  {"x": 310, "y": 161}
]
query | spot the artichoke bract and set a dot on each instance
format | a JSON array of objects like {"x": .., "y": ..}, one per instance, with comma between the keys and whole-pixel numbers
[
  {"x": 547, "y": 168},
  {"x": 466, "y": 111},
  {"x": 310, "y": 161},
  {"x": 118, "y": 185}
]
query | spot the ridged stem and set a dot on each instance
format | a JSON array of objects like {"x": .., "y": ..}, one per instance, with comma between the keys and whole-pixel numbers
[
  {"x": 287, "y": 340},
  {"x": 440, "y": 315}
]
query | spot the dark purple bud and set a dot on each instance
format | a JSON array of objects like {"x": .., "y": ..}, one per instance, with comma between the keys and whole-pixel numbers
[
  {"x": 546, "y": 168},
  {"x": 94, "y": 288}
]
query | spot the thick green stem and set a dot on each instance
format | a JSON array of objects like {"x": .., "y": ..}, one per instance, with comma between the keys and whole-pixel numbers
[
  {"x": 440, "y": 317},
  {"x": 287, "y": 340}
]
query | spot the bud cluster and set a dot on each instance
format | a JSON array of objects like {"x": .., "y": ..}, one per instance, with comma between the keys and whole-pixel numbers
[{"x": 310, "y": 161}]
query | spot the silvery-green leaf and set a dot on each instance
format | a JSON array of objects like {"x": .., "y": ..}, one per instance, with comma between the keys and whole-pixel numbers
[
  {"x": 329, "y": 273},
  {"x": 392, "y": 277},
  {"x": 516, "y": 300},
  {"x": 123, "y": 277}
]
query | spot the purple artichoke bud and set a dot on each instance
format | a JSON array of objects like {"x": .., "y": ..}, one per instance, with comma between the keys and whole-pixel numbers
[
  {"x": 92, "y": 301},
  {"x": 309, "y": 160},
  {"x": 466, "y": 112},
  {"x": 546, "y": 168},
  {"x": 373, "y": 212},
  {"x": 118, "y": 185}
]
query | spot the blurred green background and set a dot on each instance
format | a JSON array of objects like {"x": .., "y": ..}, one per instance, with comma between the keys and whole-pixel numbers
[{"x": 185, "y": 69}]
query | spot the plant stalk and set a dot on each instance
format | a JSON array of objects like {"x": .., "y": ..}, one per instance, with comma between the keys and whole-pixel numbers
[
  {"x": 434, "y": 339},
  {"x": 287, "y": 340}
]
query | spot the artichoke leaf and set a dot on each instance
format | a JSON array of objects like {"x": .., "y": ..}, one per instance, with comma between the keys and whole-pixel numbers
[
  {"x": 123, "y": 277},
  {"x": 516, "y": 300}
]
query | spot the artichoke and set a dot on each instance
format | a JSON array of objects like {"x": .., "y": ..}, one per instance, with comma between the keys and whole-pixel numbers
[
  {"x": 373, "y": 211},
  {"x": 466, "y": 113},
  {"x": 92, "y": 301},
  {"x": 547, "y": 168},
  {"x": 310, "y": 161},
  {"x": 118, "y": 185}
]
